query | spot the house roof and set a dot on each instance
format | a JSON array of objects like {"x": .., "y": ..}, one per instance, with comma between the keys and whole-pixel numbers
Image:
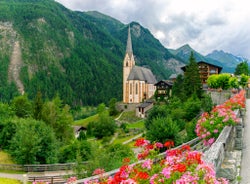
[
  {"x": 168, "y": 83},
  {"x": 219, "y": 67},
  {"x": 145, "y": 104},
  {"x": 142, "y": 74},
  {"x": 78, "y": 128}
]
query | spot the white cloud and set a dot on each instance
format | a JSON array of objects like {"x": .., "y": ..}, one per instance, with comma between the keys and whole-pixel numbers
[{"x": 204, "y": 24}]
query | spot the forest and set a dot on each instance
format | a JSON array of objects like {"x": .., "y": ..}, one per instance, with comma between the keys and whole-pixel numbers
[{"x": 78, "y": 55}]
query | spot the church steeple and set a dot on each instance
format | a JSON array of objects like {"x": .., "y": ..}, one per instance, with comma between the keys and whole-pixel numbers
[
  {"x": 128, "y": 64},
  {"x": 129, "y": 49}
]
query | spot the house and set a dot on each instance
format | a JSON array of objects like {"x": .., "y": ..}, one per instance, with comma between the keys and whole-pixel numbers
[
  {"x": 143, "y": 108},
  {"x": 138, "y": 82},
  {"x": 163, "y": 88},
  {"x": 205, "y": 70},
  {"x": 78, "y": 129}
]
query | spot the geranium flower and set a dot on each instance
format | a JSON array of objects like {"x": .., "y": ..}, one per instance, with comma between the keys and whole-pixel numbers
[
  {"x": 180, "y": 166},
  {"x": 211, "y": 124}
]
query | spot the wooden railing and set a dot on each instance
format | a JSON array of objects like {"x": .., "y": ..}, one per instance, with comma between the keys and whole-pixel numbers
[{"x": 37, "y": 168}]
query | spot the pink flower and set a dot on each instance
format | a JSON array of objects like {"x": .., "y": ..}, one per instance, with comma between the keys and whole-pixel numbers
[
  {"x": 153, "y": 178},
  {"x": 216, "y": 131},
  {"x": 147, "y": 164},
  {"x": 211, "y": 141},
  {"x": 128, "y": 181},
  {"x": 166, "y": 172},
  {"x": 159, "y": 145}
]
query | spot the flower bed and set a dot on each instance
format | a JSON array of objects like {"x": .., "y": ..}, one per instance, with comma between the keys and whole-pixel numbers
[
  {"x": 180, "y": 166},
  {"x": 211, "y": 124}
]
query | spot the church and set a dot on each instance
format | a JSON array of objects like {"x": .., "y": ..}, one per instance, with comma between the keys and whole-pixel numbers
[{"x": 138, "y": 82}]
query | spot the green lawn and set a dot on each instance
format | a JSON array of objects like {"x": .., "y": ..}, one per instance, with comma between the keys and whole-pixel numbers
[
  {"x": 129, "y": 117},
  {"x": 9, "y": 181},
  {"x": 138, "y": 124},
  {"x": 123, "y": 139},
  {"x": 5, "y": 158},
  {"x": 86, "y": 121}
]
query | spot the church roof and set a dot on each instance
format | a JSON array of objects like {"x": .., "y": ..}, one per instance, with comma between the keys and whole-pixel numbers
[{"x": 142, "y": 74}]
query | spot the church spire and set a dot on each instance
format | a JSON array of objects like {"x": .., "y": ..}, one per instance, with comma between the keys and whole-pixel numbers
[{"x": 129, "y": 44}]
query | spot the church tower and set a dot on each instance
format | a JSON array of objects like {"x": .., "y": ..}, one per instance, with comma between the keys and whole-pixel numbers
[{"x": 128, "y": 63}]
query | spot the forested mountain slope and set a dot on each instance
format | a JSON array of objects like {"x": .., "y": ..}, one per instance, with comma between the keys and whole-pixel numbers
[{"x": 77, "y": 55}]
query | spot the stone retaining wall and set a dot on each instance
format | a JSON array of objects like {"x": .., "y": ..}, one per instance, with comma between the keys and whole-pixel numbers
[{"x": 225, "y": 153}]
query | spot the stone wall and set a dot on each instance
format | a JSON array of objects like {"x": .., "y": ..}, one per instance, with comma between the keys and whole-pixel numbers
[
  {"x": 220, "y": 97},
  {"x": 225, "y": 153}
]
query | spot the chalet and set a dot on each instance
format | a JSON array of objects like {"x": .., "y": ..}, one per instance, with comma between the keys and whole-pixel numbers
[
  {"x": 163, "y": 87},
  {"x": 205, "y": 70}
]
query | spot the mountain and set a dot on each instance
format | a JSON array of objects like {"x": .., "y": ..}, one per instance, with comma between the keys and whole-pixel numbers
[
  {"x": 77, "y": 55},
  {"x": 225, "y": 60},
  {"x": 228, "y": 60}
]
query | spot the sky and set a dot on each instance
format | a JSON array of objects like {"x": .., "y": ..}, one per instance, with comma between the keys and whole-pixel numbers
[{"x": 206, "y": 25}]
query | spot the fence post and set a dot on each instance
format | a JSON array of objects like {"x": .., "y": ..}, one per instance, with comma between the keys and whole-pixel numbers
[{"x": 25, "y": 179}]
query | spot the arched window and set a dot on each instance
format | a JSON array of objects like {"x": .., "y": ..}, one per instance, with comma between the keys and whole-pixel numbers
[
  {"x": 136, "y": 89},
  {"x": 126, "y": 63},
  {"x": 130, "y": 88}
]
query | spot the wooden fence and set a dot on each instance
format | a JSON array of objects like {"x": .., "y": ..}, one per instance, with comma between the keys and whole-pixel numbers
[{"x": 37, "y": 168}]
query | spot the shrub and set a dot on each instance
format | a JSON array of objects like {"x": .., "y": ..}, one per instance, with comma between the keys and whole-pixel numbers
[
  {"x": 163, "y": 129},
  {"x": 192, "y": 108}
]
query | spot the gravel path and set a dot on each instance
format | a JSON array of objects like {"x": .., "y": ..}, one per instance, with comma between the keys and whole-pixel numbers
[
  {"x": 12, "y": 176},
  {"x": 245, "y": 163}
]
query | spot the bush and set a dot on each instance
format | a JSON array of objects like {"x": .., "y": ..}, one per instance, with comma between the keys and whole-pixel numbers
[
  {"x": 190, "y": 129},
  {"x": 157, "y": 112},
  {"x": 34, "y": 143},
  {"x": 163, "y": 129},
  {"x": 192, "y": 108},
  {"x": 206, "y": 103}
]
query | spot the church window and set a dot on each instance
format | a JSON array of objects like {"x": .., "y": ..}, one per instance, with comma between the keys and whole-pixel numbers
[
  {"x": 131, "y": 89},
  {"x": 126, "y": 63},
  {"x": 136, "y": 89}
]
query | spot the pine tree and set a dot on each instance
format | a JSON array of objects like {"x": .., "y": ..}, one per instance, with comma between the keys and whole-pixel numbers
[
  {"x": 38, "y": 106},
  {"x": 178, "y": 88},
  {"x": 192, "y": 81}
]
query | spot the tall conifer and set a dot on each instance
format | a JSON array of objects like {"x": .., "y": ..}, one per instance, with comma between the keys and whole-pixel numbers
[{"x": 192, "y": 81}]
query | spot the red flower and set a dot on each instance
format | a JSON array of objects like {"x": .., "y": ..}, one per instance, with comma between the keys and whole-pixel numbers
[
  {"x": 185, "y": 148},
  {"x": 194, "y": 158},
  {"x": 180, "y": 167},
  {"x": 140, "y": 142},
  {"x": 142, "y": 155},
  {"x": 142, "y": 175},
  {"x": 150, "y": 146},
  {"x": 169, "y": 144},
  {"x": 126, "y": 161}
]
